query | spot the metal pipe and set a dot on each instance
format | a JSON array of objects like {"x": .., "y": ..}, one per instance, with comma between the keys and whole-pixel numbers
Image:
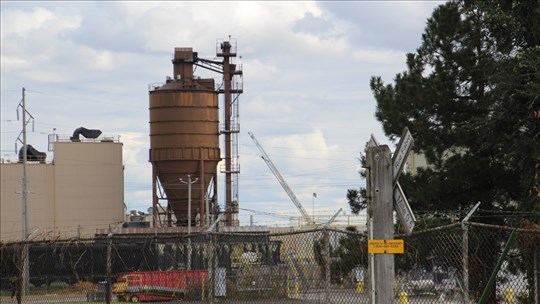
[
  {"x": 155, "y": 211},
  {"x": 202, "y": 192}
]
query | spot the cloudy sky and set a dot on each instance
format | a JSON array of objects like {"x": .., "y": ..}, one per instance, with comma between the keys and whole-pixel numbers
[{"x": 306, "y": 96}]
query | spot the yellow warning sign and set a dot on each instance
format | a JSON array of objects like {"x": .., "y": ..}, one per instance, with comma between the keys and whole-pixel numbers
[{"x": 385, "y": 246}]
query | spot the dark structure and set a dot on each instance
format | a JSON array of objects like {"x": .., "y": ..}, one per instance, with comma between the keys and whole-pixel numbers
[
  {"x": 32, "y": 154},
  {"x": 75, "y": 261},
  {"x": 87, "y": 133}
]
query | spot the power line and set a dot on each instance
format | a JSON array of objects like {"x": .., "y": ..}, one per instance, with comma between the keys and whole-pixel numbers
[{"x": 265, "y": 213}]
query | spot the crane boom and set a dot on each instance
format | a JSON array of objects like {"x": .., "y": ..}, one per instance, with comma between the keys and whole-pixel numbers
[{"x": 282, "y": 181}]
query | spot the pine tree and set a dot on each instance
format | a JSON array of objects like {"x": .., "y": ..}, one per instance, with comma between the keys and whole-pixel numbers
[{"x": 471, "y": 98}]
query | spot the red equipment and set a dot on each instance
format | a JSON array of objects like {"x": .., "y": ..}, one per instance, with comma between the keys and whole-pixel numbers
[{"x": 160, "y": 285}]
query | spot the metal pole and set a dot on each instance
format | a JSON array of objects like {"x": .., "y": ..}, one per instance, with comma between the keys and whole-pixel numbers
[
  {"x": 155, "y": 211},
  {"x": 535, "y": 271},
  {"x": 108, "y": 292},
  {"x": 214, "y": 266},
  {"x": 109, "y": 269},
  {"x": 207, "y": 210},
  {"x": 227, "y": 76},
  {"x": 327, "y": 265},
  {"x": 371, "y": 258},
  {"x": 25, "y": 177},
  {"x": 485, "y": 293},
  {"x": 215, "y": 205},
  {"x": 189, "y": 222},
  {"x": 333, "y": 218},
  {"x": 465, "y": 228},
  {"x": 202, "y": 205},
  {"x": 20, "y": 279},
  {"x": 26, "y": 263},
  {"x": 189, "y": 204},
  {"x": 211, "y": 269},
  {"x": 212, "y": 260},
  {"x": 313, "y": 205},
  {"x": 189, "y": 182}
]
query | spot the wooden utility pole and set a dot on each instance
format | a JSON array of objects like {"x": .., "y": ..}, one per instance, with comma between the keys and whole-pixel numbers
[{"x": 380, "y": 220}]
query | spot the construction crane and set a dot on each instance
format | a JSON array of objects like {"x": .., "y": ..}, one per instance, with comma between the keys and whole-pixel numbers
[{"x": 296, "y": 202}]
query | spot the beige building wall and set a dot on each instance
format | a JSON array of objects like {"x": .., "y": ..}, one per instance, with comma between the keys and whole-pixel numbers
[
  {"x": 81, "y": 191},
  {"x": 40, "y": 199},
  {"x": 415, "y": 161}
]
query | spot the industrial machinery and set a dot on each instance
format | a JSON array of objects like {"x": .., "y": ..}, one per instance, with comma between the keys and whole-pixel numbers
[
  {"x": 141, "y": 286},
  {"x": 87, "y": 133},
  {"x": 309, "y": 220},
  {"x": 32, "y": 154},
  {"x": 184, "y": 139}
]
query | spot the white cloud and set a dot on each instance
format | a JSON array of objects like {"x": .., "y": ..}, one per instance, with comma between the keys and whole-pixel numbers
[
  {"x": 258, "y": 71},
  {"x": 258, "y": 106},
  {"x": 133, "y": 144},
  {"x": 302, "y": 146},
  {"x": 14, "y": 63},
  {"x": 306, "y": 81},
  {"x": 22, "y": 22},
  {"x": 381, "y": 56},
  {"x": 98, "y": 60}
]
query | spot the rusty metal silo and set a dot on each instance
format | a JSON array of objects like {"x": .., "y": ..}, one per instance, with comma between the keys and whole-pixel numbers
[{"x": 184, "y": 137}]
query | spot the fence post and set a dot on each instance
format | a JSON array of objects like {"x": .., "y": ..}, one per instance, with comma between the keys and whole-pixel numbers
[
  {"x": 20, "y": 278},
  {"x": 327, "y": 265},
  {"x": 465, "y": 228},
  {"x": 491, "y": 281},
  {"x": 211, "y": 268},
  {"x": 109, "y": 266},
  {"x": 535, "y": 271}
]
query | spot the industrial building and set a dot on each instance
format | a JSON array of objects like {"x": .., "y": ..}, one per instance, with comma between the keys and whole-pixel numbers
[{"x": 81, "y": 190}]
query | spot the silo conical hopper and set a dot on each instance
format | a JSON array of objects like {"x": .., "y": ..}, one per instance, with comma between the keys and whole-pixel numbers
[{"x": 184, "y": 136}]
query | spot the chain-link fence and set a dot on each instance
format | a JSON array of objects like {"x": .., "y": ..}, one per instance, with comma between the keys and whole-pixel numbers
[{"x": 450, "y": 264}]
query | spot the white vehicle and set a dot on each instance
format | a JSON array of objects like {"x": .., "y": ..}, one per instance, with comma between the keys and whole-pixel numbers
[{"x": 439, "y": 282}]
